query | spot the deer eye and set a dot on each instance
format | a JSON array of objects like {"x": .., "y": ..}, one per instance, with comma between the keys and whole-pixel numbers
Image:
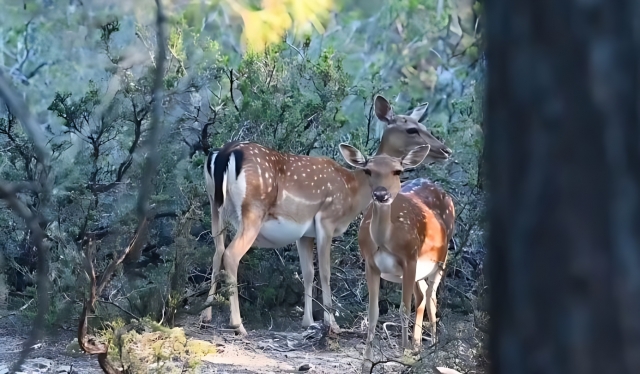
[
  {"x": 367, "y": 171},
  {"x": 397, "y": 172},
  {"x": 412, "y": 131}
]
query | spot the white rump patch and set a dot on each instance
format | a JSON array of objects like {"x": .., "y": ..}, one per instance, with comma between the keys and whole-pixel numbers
[
  {"x": 234, "y": 189},
  {"x": 425, "y": 268}
]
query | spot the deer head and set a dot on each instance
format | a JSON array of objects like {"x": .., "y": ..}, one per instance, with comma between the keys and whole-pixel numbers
[
  {"x": 405, "y": 132},
  {"x": 384, "y": 171}
]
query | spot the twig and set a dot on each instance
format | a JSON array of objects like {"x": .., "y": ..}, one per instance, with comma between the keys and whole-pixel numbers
[
  {"x": 387, "y": 361},
  {"x": 20, "y": 109},
  {"x": 296, "y": 49},
  {"x": 119, "y": 307},
  {"x": 18, "y": 311},
  {"x": 231, "y": 80},
  {"x": 384, "y": 328},
  {"x": 347, "y": 284},
  {"x": 280, "y": 257}
]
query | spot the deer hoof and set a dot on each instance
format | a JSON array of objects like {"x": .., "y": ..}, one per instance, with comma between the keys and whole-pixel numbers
[
  {"x": 240, "y": 331},
  {"x": 335, "y": 329},
  {"x": 205, "y": 316},
  {"x": 366, "y": 366}
]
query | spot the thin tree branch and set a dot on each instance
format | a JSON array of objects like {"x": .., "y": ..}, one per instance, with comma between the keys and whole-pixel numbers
[
  {"x": 20, "y": 109},
  {"x": 231, "y": 81},
  {"x": 153, "y": 158}
]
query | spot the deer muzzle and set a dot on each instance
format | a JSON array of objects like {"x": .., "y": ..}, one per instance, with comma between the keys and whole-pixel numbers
[{"x": 381, "y": 195}]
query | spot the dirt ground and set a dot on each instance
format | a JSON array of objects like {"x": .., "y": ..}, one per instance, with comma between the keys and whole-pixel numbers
[{"x": 262, "y": 351}]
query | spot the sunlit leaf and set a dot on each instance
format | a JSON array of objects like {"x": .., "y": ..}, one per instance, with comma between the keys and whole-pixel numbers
[{"x": 269, "y": 24}]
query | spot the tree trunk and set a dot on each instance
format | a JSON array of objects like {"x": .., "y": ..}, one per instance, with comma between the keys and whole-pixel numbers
[{"x": 563, "y": 163}]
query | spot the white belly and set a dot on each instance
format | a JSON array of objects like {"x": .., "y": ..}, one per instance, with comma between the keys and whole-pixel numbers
[
  {"x": 277, "y": 233},
  {"x": 391, "y": 270},
  {"x": 387, "y": 263}
]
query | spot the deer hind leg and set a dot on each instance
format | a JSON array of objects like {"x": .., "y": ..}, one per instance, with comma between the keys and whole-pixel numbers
[
  {"x": 373, "y": 285},
  {"x": 305, "y": 252},
  {"x": 420, "y": 291},
  {"x": 218, "y": 238},
  {"x": 244, "y": 239},
  {"x": 323, "y": 239},
  {"x": 434, "y": 281}
]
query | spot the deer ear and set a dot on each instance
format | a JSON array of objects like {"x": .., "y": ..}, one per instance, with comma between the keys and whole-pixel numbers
[
  {"x": 352, "y": 155},
  {"x": 383, "y": 109},
  {"x": 415, "y": 156},
  {"x": 420, "y": 112}
]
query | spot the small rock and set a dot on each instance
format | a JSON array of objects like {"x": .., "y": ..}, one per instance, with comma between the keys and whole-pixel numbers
[
  {"x": 37, "y": 365},
  {"x": 63, "y": 369},
  {"x": 443, "y": 370}
]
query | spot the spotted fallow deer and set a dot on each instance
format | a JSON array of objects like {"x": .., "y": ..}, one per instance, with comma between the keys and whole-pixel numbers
[
  {"x": 403, "y": 237},
  {"x": 274, "y": 199}
]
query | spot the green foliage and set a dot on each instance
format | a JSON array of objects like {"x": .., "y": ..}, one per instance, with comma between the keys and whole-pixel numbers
[{"x": 286, "y": 101}]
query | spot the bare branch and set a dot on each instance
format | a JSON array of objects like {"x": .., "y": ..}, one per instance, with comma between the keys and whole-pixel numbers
[
  {"x": 9, "y": 189},
  {"x": 231, "y": 81},
  {"x": 153, "y": 158},
  {"x": 19, "y": 108},
  {"x": 25, "y": 57}
]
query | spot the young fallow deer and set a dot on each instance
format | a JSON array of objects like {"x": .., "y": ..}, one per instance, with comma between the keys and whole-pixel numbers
[
  {"x": 403, "y": 237},
  {"x": 274, "y": 199}
]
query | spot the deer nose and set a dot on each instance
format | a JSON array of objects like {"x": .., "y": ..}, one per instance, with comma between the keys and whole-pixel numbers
[
  {"x": 381, "y": 194},
  {"x": 447, "y": 152}
]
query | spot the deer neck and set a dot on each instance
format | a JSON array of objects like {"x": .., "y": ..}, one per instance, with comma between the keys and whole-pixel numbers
[
  {"x": 363, "y": 190},
  {"x": 381, "y": 224},
  {"x": 389, "y": 150}
]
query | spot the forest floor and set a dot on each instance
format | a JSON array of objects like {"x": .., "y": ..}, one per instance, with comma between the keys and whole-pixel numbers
[
  {"x": 277, "y": 345},
  {"x": 262, "y": 351}
]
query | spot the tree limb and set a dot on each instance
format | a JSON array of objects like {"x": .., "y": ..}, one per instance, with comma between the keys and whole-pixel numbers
[
  {"x": 20, "y": 109},
  {"x": 87, "y": 343},
  {"x": 153, "y": 158}
]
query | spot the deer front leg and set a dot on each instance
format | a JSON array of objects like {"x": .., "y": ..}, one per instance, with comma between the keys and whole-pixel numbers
[
  {"x": 408, "y": 280},
  {"x": 373, "y": 286},
  {"x": 305, "y": 252},
  {"x": 236, "y": 250},
  {"x": 217, "y": 232},
  {"x": 323, "y": 239}
]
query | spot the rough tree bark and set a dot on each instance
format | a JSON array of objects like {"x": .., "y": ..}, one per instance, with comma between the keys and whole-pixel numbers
[{"x": 563, "y": 160}]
